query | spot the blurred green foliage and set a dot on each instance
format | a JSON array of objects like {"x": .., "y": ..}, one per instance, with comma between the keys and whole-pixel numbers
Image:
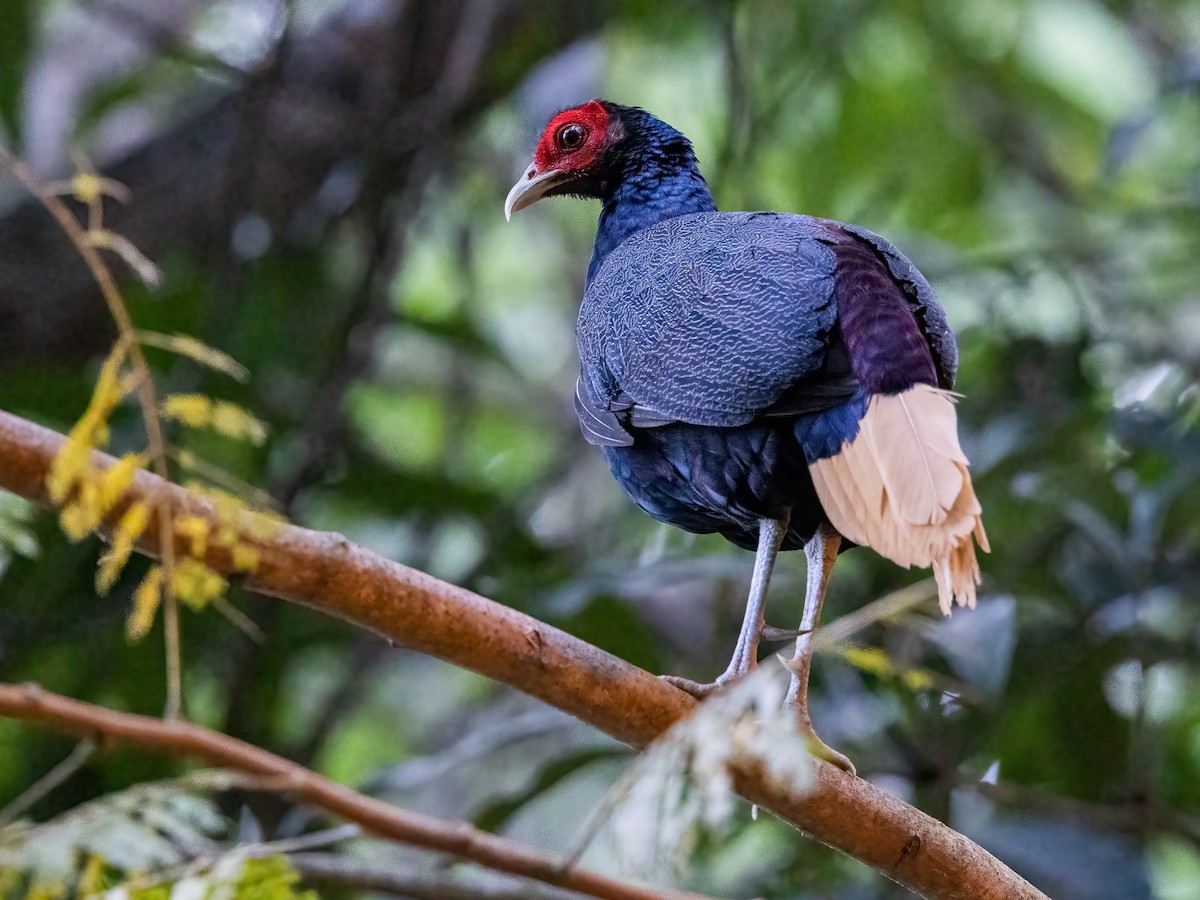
[{"x": 1037, "y": 158}]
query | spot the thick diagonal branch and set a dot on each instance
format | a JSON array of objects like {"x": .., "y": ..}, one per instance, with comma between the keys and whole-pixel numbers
[{"x": 329, "y": 573}]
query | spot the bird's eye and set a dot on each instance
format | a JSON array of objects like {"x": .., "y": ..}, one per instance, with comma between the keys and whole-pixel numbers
[{"x": 570, "y": 137}]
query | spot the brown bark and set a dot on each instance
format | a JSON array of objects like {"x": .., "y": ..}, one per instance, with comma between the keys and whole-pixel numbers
[{"x": 328, "y": 573}]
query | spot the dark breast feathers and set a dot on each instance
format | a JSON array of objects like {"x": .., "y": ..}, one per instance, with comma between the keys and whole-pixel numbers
[{"x": 715, "y": 353}]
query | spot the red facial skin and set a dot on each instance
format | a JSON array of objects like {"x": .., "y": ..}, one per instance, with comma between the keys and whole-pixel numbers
[{"x": 593, "y": 119}]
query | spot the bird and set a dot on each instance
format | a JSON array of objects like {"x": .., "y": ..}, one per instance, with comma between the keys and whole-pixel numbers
[{"x": 780, "y": 379}]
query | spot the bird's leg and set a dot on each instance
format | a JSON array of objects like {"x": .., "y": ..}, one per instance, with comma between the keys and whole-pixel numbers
[
  {"x": 745, "y": 655},
  {"x": 821, "y": 551}
]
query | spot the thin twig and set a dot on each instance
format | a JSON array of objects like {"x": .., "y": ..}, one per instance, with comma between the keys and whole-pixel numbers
[
  {"x": 316, "y": 840},
  {"x": 60, "y": 773},
  {"x": 239, "y": 620},
  {"x": 889, "y": 606},
  {"x": 326, "y": 870},
  {"x": 178, "y": 738},
  {"x": 479, "y": 743}
]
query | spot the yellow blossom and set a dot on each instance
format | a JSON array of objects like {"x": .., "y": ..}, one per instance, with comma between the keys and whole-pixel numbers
[
  {"x": 244, "y": 558},
  {"x": 232, "y": 421},
  {"x": 231, "y": 511},
  {"x": 193, "y": 410},
  {"x": 876, "y": 661},
  {"x": 196, "y": 529},
  {"x": 224, "y": 536},
  {"x": 114, "y": 482},
  {"x": 260, "y": 526},
  {"x": 128, "y": 529},
  {"x": 82, "y": 515},
  {"x": 145, "y": 604},
  {"x": 227, "y": 508},
  {"x": 110, "y": 388},
  {"x": 75, "y": 522},
  {"x": 72, "y": 463},
  {"x": 918, "y": 680},
  {"x": 869, "y": 659},
  {"x": 195, "y": 583},
  {"x": 67, "y": 466},
  {"x": 86, "y": 188}
]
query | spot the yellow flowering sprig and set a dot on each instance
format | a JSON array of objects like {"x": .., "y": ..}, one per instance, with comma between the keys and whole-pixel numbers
[
  {"x": 229, "y": 419},
  {"x": 125, "y": 534},
  {"x": 195, "y": 350},
  {"x": 88, "y": 494},
  {"x": 233, "y": 528},
  {"x": 91, "y": 431},
  {"x": 146, "y": 599},
  {"x": 90, "y": 190}
]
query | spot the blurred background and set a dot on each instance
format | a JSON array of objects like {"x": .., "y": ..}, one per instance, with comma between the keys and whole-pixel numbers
[{"x": 321, "y": 182}]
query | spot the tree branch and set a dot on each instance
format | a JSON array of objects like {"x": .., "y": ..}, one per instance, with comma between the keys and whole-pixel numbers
[
  {"x": 47, "y": 783},
  {"x": 329, "y": 573},
  {"x": 329, "y": 871},
  {"x": 171, "y": 736}
]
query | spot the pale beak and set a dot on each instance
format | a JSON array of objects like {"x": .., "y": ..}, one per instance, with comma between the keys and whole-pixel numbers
[{"x": 531, "y": 188}]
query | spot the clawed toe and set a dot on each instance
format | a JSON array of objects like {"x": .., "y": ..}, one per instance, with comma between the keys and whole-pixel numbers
[
  {"x": 821, "y": 750},
  {"x": 816, "y": 746}
]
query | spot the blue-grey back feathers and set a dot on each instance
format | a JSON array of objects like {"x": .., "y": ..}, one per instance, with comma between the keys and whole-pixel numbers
[
  {"x": 705, "y": 318},
  {"x": 720, "y": 319}
]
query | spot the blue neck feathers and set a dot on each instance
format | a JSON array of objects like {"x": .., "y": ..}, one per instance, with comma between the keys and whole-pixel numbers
[{"x": 659, "y": 179}]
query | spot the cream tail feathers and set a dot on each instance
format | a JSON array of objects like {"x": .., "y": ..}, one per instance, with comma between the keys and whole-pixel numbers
[{"x": 902, "y": 488}]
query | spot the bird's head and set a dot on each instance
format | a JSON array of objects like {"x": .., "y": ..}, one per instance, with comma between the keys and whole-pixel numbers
[{"x": 572, "y": 157}]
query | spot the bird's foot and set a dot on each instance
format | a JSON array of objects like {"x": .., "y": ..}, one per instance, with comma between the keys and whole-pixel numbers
[
  {"x": 742, "y": 664},
  {"x": 698, "y": 690},
  {"x": 818, "y": 747}
]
